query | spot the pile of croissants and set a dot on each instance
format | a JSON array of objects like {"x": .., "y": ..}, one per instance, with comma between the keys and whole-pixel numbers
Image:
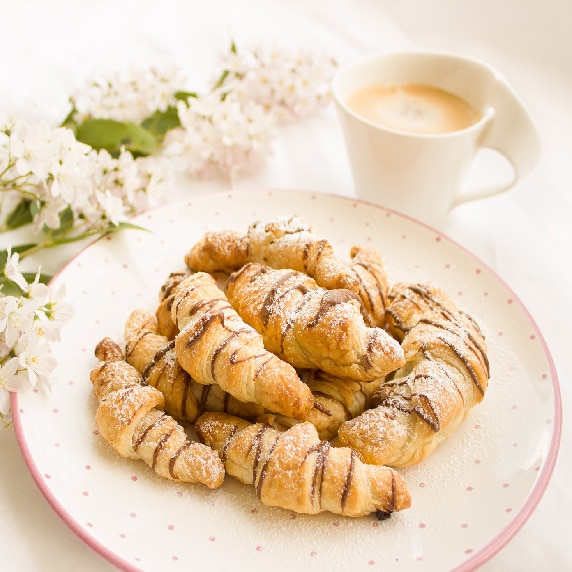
[{"x": 310, "y": 379}]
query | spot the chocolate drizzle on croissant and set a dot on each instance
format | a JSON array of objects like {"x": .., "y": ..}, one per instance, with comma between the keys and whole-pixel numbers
[
  {"x": 335, "y": 400},
  {"x": 155, "y": 358},
  {"x": 289, "y": 242},
  {"x": 131, "y": 419},
  {"x": 217, "y": 347},
  {"x": 298, "y": 471},
  {"x": 445, "y": 374},
  {"x": 309, "y": 326}
]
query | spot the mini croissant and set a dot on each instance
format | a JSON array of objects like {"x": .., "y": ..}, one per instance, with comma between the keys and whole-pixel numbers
[
  {"x": 445, "y": 374},
  {"x": 295, "y": 470},
  {"x": 165, "y": 325},
  {"x": 215, "y": 346},
  {"x": 155, "y": 358},
  {"x": 289, "y": 242},
  {"x": 311, "y": 327},
  {"x": 130, "y": 418},
  {"x": 336, "y": 400}
]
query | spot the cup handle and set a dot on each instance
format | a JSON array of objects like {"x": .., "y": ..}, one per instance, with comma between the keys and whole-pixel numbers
[{"x": 512, "y": 133}]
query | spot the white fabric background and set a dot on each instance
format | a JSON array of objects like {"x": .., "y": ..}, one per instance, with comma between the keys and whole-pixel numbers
[{"x": 47, "y": 49}]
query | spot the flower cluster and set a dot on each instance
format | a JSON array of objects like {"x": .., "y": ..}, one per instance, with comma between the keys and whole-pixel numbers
[
  {"x": 59, "y": 177},
  {"x": 288, "y": 84},
  {"x": 230, "y": 129},
  {"x": 28, "y": 324},
  {"x": 105, "y": 164},
  {"x": 220, "y": 134},
  {"x": 130, "y": 95}
]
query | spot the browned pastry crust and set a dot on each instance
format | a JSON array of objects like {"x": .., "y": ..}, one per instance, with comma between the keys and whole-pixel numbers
[
  {"x": 312, "y": 327},
  {"x": 216, "y": 347},
  {"x": 367, "y": 265},
  {"x": 411, "y": 303},
  {"x": 220, "y": 251},
  {"x": 165, "y": 325},
  {"x": 295, "y": 470},
  {"x": 445, "y": 375},
  {"x": 289, "y": 242},
  {"x": 130, "y": 418},
  {"x": 154, "y": 356},
  {"x": 336, "y": 400}
]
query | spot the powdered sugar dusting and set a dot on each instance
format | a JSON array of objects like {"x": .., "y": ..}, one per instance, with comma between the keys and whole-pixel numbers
[{"x": 461, "y": 508}]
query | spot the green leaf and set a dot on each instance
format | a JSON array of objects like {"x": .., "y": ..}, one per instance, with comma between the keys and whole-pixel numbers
[
  {"x": 161, "y": 122},
  {"x": 70, "y": 121},
  {"x": 125, "y": 226},
  {"x": 10, "y": 288},
  {"x": 20, "y": 216},
  {"x": 221, "y": 79},
  {"x": 111, "y": 135},
  {"x": 18, "y": 248},
  {"x": 102, "y": 133},
  {"x": 66, "y": 224},
  {"x": 184, "y": 95},
  {"x": 139, "y": 140},
  {"x": 30, "y": 277}
]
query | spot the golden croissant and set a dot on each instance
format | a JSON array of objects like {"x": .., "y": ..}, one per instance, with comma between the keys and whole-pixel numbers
[
  {"x": 336, "y": 400},
  {"x": 289, "y": 242},
  {"x": 165, "y": 325},
  {"x": 217, "y": 347},
  {"x": 312, "y": 327},
  {"x": 295, "y": 470},
  {"x": 445, "y": 374},
  {"x": 154, "y": 356},
  {"x": 130, "y": 418}
]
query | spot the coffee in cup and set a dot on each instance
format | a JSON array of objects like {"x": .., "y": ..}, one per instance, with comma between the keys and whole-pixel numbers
[
  {"x": 413, "y": 107},
  {"x": 407, "y": 149}
]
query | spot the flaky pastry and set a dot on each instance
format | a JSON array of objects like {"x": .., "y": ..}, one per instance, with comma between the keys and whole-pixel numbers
[
  {"x": 290, "y": 242},
  {"x": 131, "y": 419},
  {"x": 165, "y": 325},
  {"x": 154, "y": 356},
  {"x": 312, "y": 327},
  {"x": 216, "y": 346},
  {"x": 295, "y": 470},
  {"x": 445, "y": 374},
  {"x": 336, "y": 400}
]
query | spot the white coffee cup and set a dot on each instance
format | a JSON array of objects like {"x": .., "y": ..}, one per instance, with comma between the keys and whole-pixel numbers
[{"x": 422, "y": 175}]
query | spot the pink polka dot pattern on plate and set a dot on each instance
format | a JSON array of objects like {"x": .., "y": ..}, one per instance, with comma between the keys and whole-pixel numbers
[{"x": 125, "y": 510}]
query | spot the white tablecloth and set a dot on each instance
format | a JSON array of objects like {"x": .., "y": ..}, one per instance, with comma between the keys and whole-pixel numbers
[{"x": 47, "y": 49}]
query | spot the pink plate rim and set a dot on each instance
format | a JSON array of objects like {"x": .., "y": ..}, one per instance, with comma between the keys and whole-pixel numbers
[{"x": 474, "y": 561}]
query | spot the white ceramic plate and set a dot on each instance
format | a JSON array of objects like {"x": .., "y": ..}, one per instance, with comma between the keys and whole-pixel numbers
[{"x": 469, "y": 498}]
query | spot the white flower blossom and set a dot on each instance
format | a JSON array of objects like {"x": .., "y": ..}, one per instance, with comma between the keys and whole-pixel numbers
[
  {"x": 95, "y": 187},
  {"x": 227, "y": 131},
  {"x": 34, "y": 357},
  {"x": 8, "y": 383},
  {"x": 289, "y": 84},
  {"x": 31, "y": 147},
  {"x": 29, "y": 324},
  {"x": 18, "y": 317},
  {"x": 12, "y": 270},
  {"x": 111, "y": 207},
  {"x": 131, "y": 95},
  {"x": 57, "y": 310},
  {"x": 67, "y": 177},
  {"x": 49, "y": 214},
  {"x": 221, "y": 134}
]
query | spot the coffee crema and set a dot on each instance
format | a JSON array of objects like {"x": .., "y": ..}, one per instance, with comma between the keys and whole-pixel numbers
[{"x": 415, "y": 108}]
